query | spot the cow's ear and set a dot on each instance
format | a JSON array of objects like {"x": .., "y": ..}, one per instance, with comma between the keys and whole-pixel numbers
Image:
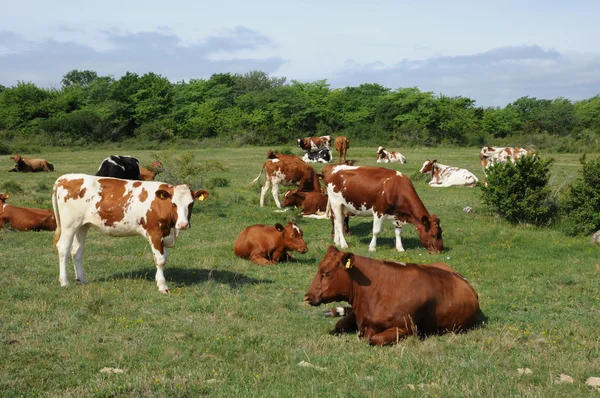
[
  {"x": 426, "y": 223},
  {"x": 320, "y": 176},
  {"x": 6, "y": 196},
  {"x": 279, "y": 227},
  {"x": 200, "y": 194},
  {"x": 434, "y": 161},
  {"x": 162, "y": 194},
  {"x": 348, "y": 260}
]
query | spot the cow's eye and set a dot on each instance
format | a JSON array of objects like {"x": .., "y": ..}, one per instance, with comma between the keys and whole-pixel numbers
[
  {"x": 293, "y": 235},
  {"x": 326, "y": 274}
]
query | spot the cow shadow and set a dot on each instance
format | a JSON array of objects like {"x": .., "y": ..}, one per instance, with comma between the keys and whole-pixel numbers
[{"x": 179, "y": 277}]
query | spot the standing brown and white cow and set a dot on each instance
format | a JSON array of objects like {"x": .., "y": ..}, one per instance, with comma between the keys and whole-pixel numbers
[
  {"x": 25, "y": 218},
  {"x": 341, "y": 145},
  {"x": 154, "y": 210},
  {"x": 380, "y": 193},
  {"x": 447, "y": 176},
  {"x": 25, "y": 165},
  {"x": 490, "y": 155},
  {"x": 313, "y": 144},
  {"x": 264, "y": 244},
  {"x": 384, "y": 156},
  {"x": 391, "y": 301},
  {"x": 286, "y": 170}
]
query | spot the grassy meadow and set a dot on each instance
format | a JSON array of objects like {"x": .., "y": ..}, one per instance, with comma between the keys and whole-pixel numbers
[{"x": 232, "y": 328}]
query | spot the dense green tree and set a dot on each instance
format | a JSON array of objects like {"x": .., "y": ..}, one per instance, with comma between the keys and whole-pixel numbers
[{"x": 78, "y": 78}]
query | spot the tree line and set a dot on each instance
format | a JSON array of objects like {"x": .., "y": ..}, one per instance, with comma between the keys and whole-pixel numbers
[{"x": 256, "y": 109}]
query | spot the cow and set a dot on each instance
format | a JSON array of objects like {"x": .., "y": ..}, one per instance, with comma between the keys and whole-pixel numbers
[
  {"x": 286, "y": 170},
  {"x": 148, "y": 174},
  {"x": 24, "y": 218},
  {"x": 117, "y": 166},
  {"x": 28, "y": 165},
  {"x": 490, "y": 155},
  {"x": 155, "y": 210},
  {"x": 314, "y": 205},
  {"x": 447, "y": 176},
  {"x": 313, "y": 144},
  {"x": 384, "y": 156},
  {"x": 390, "y": 300},
  {"x": 341, "y": 146},
  {"x": 323, "y": 155},
  {"x": 381, "y": 193},
  {"x": 264, "y": 244}
]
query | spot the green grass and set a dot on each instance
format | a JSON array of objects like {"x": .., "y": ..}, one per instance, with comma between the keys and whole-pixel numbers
[{"x": 232, "y": 328}]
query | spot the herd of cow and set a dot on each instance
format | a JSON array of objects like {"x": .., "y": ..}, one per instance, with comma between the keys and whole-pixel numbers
[{"x": 389, "y": 300}]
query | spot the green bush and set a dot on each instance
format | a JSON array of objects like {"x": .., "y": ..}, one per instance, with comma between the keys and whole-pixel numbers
[
  {"x": 184, "y": 169},
  {"x": 581, "y": 204},
  {"x": 519, "y": 191},
  {"x": 217, "y": 182}
]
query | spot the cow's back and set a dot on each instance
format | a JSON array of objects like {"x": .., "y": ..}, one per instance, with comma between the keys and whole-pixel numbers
[{"x": 255, "y": 236}]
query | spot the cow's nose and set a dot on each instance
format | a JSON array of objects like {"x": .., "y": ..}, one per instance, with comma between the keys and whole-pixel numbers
[
  {"x": 307, "y": 299},
  {"x": 182, "y": 225}
]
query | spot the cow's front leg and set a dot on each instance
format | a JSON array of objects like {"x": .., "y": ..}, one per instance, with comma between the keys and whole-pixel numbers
[
  {"x": 398, "y": 232},
  {"x": 77, "y": 252},
  {"x": 389, "y": 336},
  {"x": 160, "y": 258},
  {"x": 259, "y": 259},
  {"x": 377, "y": 221},
  {"x": 347, "y": 324}
]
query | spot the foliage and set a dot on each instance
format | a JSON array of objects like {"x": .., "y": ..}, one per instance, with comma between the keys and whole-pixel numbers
[
  {"x": 184, "y": 169},
  {"x": 12, "y": 187},
  {"x": 519, "y": 191},
  {"x": 581, "y": 204}
]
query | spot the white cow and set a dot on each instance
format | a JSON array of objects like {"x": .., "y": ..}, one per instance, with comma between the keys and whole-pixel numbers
[
  {"x": 447, "y": 176},
  {"x": 384, "y": 156}
]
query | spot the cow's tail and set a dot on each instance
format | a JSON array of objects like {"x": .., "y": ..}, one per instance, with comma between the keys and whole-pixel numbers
[
  {"x": 261, "y": 171},
  {"x": 56, "y": 216}
]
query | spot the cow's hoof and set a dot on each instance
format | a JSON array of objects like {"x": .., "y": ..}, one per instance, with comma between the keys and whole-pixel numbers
[
  {"x": 372, "y": 249},
  {"x": 166, "y": 291}
]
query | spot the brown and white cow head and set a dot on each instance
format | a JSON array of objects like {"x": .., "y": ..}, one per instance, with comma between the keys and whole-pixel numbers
[
  {"x": 181, "y": 198},
  {"x": 381, "y": 153},
  {"x": 292, "y": 237},
  {"x": 293, "y": 198},
  {"x": 3, "y": 199},
  {"x": 430, "y": 233},
  {"x": 332, "y": 282},
  {"x": 428, "y": 166}
]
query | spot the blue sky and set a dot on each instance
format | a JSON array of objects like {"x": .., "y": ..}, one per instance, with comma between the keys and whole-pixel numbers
[{"x": 493, "y": 52}]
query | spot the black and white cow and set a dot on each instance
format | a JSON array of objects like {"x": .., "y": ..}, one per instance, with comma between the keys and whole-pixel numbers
[
  {"x": 124, "y": 167},
  {"x": 323, "y": 156}
]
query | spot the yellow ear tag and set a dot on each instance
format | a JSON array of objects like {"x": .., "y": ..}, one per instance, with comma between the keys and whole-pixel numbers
[
  {"x": 201, "y": 197},
  {"x": 348, "y": 265}
]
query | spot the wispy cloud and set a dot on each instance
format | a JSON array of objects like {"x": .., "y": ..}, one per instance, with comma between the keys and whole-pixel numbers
[{"x": 45, "y": 62}]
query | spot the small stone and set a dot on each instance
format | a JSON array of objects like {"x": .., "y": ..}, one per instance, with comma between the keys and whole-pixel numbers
[
  {"x": 411, "y": 386},
  {"x": 593, "y": 382},
  {"x": 524, "y": 371},
  {"x": 595, "y": 239},
  {"x": 111, "y": 370},
  {"x": 562, "y": 378},
  {"x": 305, "y": 364},
  {"x": 468, "y": 209}
]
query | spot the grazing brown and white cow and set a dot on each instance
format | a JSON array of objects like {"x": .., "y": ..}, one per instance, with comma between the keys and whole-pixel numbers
[
  {"x": 384, "y": 156},
  {"x": 380, "y": 193},
  {"x": 390, "y": 300},
  {"x": 264, "y": 244},
  {"x": 152, "y": 209},
  {"x": 24, "y": 218},
  {"x": 447, "y": 176},
  {"x": 149, "y": 173},
  {"x": 313, "y": 144},
  {"x": 286, "y": 170},
  {"x": 313, "y": 204},
  {"x": 341, "y": 146},
  {"x": 26, "y": 165},
  {"x": 490, "y": 155}
]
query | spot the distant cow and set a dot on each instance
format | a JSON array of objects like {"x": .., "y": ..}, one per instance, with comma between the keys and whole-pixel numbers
[
  {"x": 286, "y": 170},
  {"x": 490, "y": 155},
  {"x": 28, "y": 165},
  {"x": 152, "y": 209},
  {"x": 384, "y": 156},
  {"x": 447, "y": 176},
  {"x": 264, "y": 244},
  {"x": 116, "y": 166},
  {"x": 149, "y": 173},
  {"x": 24, "y": 218},
  {"x": 341, "y": 146},
  {"x": 313, "y": 144},
  {"x": 390, "y": 300},
  {"x": 380, "y": 193},
  {"x": 323, "y": 155},
  {"x": 313, "y": 204}
]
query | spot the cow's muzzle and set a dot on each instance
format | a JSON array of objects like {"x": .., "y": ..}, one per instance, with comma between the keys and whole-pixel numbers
[{"x": 309, "y": 299}]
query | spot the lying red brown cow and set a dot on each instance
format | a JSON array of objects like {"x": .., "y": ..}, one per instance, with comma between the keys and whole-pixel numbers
[
  {"x": 391, "y": 300},
  {"x": 313, "y": 204},
  {"x": 24, "y": 218},
  {"x": 264, "y": 244},
  {"x": 149, "y": 173},
  {"x": 25, "y": 165}
]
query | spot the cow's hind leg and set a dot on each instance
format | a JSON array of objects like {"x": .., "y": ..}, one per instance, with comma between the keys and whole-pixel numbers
[
  {"x": 264, "y": 190},
  {"x": 77, "y": 252},
  {"x": 338, "y": 224},
  {"x": 390, "y": 336},
  {"x": 398, "y": 232},
  {"x": 377, "y": 221},
  {"x": 275, "y": 193},
  {"x": 63, "y": 246}
]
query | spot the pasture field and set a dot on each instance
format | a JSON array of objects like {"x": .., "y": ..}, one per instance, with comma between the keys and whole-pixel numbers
[{"x": 232, "y": 328}]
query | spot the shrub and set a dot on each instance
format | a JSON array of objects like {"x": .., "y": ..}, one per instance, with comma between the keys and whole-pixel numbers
[
  {"x": 217, "y": 182},
  {"x": 184, "y": 169},
  {"x": 4, "y": 149},
  {"x": 519, "y": 191},
  {"x": 581, "y": 204}
]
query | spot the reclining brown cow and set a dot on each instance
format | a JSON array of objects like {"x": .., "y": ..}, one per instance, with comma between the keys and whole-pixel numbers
[
  {"x": 148, "y": 173},
  {"x": 25, "y": 165},
  {"x": 313, "y": 204},
  {"x": 391, "y": 301},
  {"x": 264, "y": 244},
  {"x": 24, "y": 218}
]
